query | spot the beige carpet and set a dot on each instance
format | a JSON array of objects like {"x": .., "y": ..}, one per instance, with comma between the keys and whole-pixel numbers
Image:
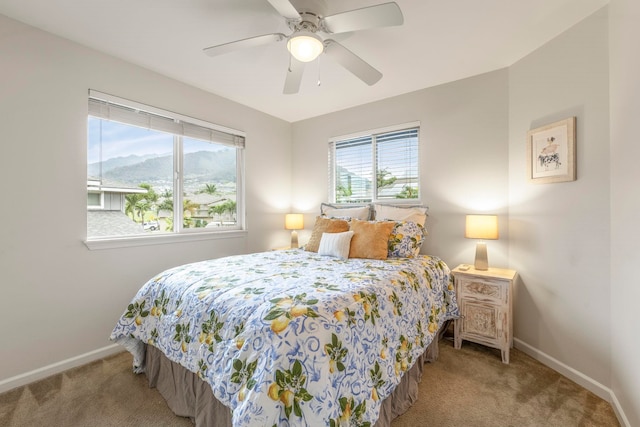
[{"x": 467, "y": 387}]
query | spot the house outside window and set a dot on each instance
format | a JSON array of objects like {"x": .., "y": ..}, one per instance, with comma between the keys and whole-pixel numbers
[
  {"x": 95, "y": 198},
  {"x": 153, "y": 172},
  {"x": 375, "y": 166}
]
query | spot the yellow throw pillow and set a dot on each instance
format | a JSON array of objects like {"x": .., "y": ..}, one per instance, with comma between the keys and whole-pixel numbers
[
  {"x": 370, "y": 239},
  {"x": 324, "y": 225}
]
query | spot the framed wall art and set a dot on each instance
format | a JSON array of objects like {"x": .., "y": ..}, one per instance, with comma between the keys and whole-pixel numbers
[{"x": 551, "y": 152}]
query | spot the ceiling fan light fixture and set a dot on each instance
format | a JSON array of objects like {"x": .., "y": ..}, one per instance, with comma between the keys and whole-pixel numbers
[{"x": 305, "y": 46}]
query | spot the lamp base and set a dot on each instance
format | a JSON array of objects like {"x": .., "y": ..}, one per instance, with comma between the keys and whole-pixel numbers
[
  {"x": 294, "y": 239},
  {"x": 481, "y": 262}
]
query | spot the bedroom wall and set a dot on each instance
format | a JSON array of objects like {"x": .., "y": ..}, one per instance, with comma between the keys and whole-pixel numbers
[
  {"x": 463, "y": 158},
  {"x": 624, "y": 60},
  {"x": 559, "y": 233},
  {"x": 60, "y": 300}
]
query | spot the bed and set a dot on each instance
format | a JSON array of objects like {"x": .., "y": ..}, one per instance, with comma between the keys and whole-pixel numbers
[{"x": 289, "y": 337}]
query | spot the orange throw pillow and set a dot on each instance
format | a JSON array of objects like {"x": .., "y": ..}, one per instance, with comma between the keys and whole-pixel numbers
[
  {"x": 324, "y": 225},
  {"x": 370, "y": 239}
]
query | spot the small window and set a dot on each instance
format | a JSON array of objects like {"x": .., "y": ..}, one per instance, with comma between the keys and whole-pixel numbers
[
  {"x": 153, "y": 172},
  {"x": 94, "y": 200},
  {"x": 375, "y": 167}
]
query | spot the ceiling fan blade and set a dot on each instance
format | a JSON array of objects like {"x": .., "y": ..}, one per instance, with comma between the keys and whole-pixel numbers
[
  {"x": 243, "y": 44},
  {"x": 382, "y": 15},
  {"x": 285, "y": 8},
  {"x": 352, "y": 62},
  {"x": 294, "y": 77}
]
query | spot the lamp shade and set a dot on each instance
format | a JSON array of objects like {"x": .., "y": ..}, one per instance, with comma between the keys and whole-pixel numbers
[
  {"x": 294, "y": 222},
  {"x": 305, "y": 46},
  {"x": 481, "y": 227}
]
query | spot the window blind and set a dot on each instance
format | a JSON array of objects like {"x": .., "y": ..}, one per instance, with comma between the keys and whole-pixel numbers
[
  {"x": 375, "y": 167},
  {"x": 354, "y": 169},
  {"x": 397, "y": 164},
  {"x": 168, "y": 122}
]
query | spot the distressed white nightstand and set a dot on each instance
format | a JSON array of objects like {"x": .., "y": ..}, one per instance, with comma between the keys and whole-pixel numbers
[{"x": 484, "y": 298}]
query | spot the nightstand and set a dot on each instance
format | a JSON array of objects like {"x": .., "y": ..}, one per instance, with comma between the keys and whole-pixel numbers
[{"x": 484, "y": 298}]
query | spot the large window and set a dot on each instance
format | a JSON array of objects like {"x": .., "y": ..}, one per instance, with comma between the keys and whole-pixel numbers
[
  {"x": 376, "y": 166},
  {"x": 153, "y": 172}
]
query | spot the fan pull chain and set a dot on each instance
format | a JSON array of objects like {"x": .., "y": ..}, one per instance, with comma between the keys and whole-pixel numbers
[
  {"x": 319, "y": 82},
  {"x": 289, "y": 69}
]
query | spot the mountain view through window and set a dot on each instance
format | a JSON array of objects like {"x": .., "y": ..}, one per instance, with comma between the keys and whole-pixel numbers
[{"x": 145, "y": 181}]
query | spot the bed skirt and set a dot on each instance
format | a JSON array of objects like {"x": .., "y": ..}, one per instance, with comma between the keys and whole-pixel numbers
[{"x": 188, "y": 396}]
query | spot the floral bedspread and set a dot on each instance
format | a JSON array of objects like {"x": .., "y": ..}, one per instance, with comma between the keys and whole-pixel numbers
[{"x": 292, "y": 338}]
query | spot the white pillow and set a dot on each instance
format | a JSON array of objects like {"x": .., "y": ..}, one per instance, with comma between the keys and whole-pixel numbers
[
  {"x": 415, "y": 214},
  {"x": 335, "y": 244},
  {"x": 358, "y": 212}
]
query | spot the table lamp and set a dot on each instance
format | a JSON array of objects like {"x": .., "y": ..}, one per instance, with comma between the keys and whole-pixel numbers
[
  {"x": 483, "y": 227},
  {"x": 294, "y": 222}
]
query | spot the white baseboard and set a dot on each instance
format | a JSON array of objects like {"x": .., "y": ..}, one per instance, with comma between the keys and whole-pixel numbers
[
  {"x": 622, "y": 418},
  {"x": 56, "y": 368},
  {"x": 576, "y": 376}
]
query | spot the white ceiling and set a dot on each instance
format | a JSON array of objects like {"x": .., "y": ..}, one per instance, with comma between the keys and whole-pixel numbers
[{"x": 440, "y": 41}]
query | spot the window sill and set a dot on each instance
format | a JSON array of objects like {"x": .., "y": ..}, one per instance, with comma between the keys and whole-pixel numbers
[{"x": 127, "y": 242}]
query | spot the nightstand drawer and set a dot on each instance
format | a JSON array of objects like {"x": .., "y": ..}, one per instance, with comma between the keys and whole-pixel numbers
[{"x": 483, "y": 288}]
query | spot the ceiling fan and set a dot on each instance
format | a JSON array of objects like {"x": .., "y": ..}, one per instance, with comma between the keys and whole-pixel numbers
[{"x": 308, "y": 24}]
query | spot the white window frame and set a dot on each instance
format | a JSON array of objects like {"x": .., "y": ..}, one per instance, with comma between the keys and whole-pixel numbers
[
  {"x": 180, "y": 234},
  {"x": 371, "y": 133}
]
